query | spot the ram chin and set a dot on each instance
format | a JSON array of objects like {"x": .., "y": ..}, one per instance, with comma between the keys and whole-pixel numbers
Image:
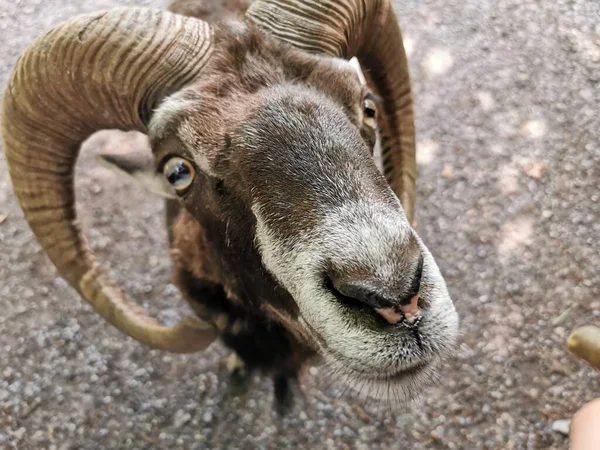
[
  {"x": 394, "y": 366},
  {"x": 396, "y": 385},
  {"x": 393, "y": 389}
]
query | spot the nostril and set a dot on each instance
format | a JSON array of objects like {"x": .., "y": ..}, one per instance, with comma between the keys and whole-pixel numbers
[
  {"x": 409, "y": 314},
  {"x": 362, "y": 294},
  {"x": 352, "y": 294},
  {"x": 391, "y": 314},
  {"x": 411, "y": 310},
  {"x": 412, "y": 296}
]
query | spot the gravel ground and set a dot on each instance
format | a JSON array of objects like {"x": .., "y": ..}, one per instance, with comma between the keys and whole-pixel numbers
[{"x": 507, "y": 95}]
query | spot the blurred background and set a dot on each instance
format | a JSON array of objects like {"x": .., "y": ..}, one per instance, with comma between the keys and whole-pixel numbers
[{"x": 507, "y": 99}]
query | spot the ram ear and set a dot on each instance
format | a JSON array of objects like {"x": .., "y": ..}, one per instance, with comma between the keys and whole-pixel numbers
[
  {"x": 356, "y": 65},
  {"x": 138, "y": 164}
]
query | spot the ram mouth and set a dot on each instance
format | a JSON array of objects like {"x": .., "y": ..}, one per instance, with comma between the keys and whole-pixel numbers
[
  {"x": 403, "y": 374},
  {"x": 395, "y": 388},
  {"x": 391, "y": 376},
  {"x": 359, "y": 309}
]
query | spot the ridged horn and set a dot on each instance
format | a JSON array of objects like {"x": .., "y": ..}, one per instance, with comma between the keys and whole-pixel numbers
[
  {"x": 584, "y": 342},
  {"x": 367, "y": 29},
  {"x": 97, "y": 71}
]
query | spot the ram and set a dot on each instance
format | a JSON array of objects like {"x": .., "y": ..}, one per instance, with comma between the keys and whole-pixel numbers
[{"x": 287, "y": 240}]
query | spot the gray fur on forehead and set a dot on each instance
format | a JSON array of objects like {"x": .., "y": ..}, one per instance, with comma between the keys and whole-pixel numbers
[
  {"x": 245, "y": 62},
  {"x": 299, "y": 144}
]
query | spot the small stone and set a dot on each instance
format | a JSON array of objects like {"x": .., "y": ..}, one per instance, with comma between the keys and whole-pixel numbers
[
  {"x": 535, "y": 170},
  {"x": 486, "y": 100},
  {"x": 587, "y": 94},
  {"x": 546, "y": 214},
  {"x": 438, "y": 61},
  {"x": 561, "y": 426},
  {"x": 427, "y": 151},
  {"x": 181, "y": 418},
  {"x": 560, "y": 331},
  {"x": 18, "y": 435},
  {"x": 534, "y": 393},
  {"x": 496, "y": 395},
  {"x": 448, "y": 172},
  {"x": 534, "y": 128}
]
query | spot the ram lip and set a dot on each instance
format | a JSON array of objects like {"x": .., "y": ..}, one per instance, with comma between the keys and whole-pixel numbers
[
  {"x": 403, "y": 374},
  {"x": 389, "y": 374},
  {"x": 394, "y": 388}
]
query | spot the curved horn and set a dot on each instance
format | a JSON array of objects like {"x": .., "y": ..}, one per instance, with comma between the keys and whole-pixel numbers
[
  {"x": 367, "y": 29},
  {"x": 584, "y": 342},
  {"x": 98, "y": 71}
]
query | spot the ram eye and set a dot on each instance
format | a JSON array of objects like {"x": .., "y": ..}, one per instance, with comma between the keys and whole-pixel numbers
[
  {"x": 370, "y": 113},
  {"x": 180, "y": 173}
]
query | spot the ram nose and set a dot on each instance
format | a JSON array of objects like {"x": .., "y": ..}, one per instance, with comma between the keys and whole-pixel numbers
[
  {"x": 409, "y": 312},
  {"x": 396, "y": 302}
]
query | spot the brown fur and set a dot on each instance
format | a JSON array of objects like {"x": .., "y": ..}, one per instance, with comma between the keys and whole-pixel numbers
[
  {"x": 238, "y": 120},
  {"x": 243, "y": 63},
  {"x": 211, "y": 236}
]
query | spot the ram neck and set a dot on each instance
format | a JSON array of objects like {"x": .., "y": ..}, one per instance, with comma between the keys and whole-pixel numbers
[{"x": 231, "y": 261}]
